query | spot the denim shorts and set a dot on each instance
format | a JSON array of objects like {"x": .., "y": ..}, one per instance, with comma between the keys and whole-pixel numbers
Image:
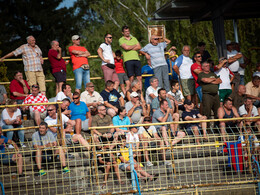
[{"x": 7, "y": 159}]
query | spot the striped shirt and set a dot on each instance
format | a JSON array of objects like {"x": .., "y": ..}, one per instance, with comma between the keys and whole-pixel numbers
[{"x": 31, "y": 57}]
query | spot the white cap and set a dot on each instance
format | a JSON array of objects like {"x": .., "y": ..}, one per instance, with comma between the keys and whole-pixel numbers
[
  {"x": 228, "y": 42},
  {"x": 134, "y": 94},
  {"x": 75, "y": 37}
]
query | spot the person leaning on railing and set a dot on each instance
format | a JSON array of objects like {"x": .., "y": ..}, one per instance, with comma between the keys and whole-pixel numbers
[{"x": 11, "y": 118}]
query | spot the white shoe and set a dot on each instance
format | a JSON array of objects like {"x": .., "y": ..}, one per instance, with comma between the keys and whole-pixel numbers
[
  {"x": 23, "y": 146},
  {"x": 10, "y": 146},
  {"x": 149, "y": 164},
  {"x": 167, "y": 163}
]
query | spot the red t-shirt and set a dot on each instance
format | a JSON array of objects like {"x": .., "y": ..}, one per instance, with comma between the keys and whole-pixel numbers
[
  {"x": 77, "y": 61},
  {"x": 195, "y": 76},
  {"x": 119, "y": 66},
  {"x": 56, "y": 64},
  {"x": 16, "y": 86}
]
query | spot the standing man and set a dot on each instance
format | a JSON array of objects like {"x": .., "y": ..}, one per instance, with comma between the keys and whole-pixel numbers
[
  {"x": 182, "y": 67},
  {"x": 58, "y": 65},
  {"x": 108, "y": 63},
  {"x": 3, "y": 95},
  {"x": 79, "y": 56},
  {"x": 233, "y": 60},
  {"x": 209, "y": 83},
  {"x": 19, "y": 87},
  {"x": 130, "y": 47},
  {"x": 32, "y": 60},
  {"x": 195, "y": 70},
  {"x": 204, "y": 53},
  {"x": 154, "y": 51}
]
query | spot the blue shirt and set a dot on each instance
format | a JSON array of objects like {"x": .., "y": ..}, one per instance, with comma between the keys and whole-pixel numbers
[
  {"x": 118, "y": 121},
  {"x": 146, "y": 69},
  {"x": 78, "y": 111},
  {"x": 111, "y": 97},
  {"x": 2, "y": 147}
]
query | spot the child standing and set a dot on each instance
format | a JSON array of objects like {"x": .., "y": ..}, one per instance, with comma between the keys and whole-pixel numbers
[{"x": 123, "y": 78}]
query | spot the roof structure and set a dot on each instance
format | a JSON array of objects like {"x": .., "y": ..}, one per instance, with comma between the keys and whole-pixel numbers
[{"x": 204, "y": 10}]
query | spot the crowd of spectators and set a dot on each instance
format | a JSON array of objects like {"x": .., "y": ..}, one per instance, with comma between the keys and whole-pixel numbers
[{"x": 198, "y": 91}]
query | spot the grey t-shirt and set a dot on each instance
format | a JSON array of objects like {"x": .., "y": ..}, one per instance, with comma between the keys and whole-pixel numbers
[
  {"x": 2, "y": 92},
  {"x": 137, "y": 114},
  {"x": 47, "y": 138},
  {"x": 158, "y": 114},
  {"x": 156, "y": 103}
]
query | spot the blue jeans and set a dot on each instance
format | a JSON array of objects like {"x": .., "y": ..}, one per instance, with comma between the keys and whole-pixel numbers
[
  {"x": 9, "y": 134},
  {"x": 199, "y": 92},
  {"x": 80, "y": 74}
]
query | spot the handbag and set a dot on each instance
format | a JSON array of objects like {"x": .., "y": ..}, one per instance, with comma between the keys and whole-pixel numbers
[
  {"x": 112, "y": 66},
  {"x": 85, "y": 66}
]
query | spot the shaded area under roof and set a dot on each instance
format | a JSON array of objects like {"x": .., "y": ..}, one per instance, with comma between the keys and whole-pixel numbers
[{"x": 203, "y": 10}]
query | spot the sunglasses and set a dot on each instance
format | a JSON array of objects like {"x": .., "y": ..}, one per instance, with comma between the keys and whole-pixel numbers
[
  {"x": 35, "y": 86},
  {"x": 78, "y": 39},
  {"x": 91, "y": 86},
  {"x": 75, "y": 98},
  {"x": 156, "y": 39},
  {"x": 109, "y": 37},
  {"x": 50, "y": 110},
  {"x": 198, "y": 56}
]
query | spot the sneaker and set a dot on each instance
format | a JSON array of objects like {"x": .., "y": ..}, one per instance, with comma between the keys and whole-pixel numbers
[
  {"x": 11, "y": 146},
  {"x": 167, "y": 163},
  {"x": 65, "y": 170},
  {"x": 42, "y": 173},
  {"x": 149, "y": 164},
  {"x": 23, "y": 146}
]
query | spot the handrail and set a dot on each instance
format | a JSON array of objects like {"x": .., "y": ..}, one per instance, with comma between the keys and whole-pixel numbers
[{"x": 174, "y": 122}]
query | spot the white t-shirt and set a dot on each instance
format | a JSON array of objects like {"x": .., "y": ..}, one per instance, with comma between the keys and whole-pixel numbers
[
  {"x": 107, "y": 53},
  {"x": 151, "y": 130},
  {"x": 51, "y": 121},
  {"x": 235, "y": 65},
  {"x": 241, "y": 70},
  {"x": 132, "y": 138},
  {"x": 224, "y": 76},
  {"x": 5, "y": 116},
  {"x": 242, "y": 111},
  {"x": 60, "y": 96},
  {"x": 184, "y": 64},
  {"x": 150, "y": 90},
  {"x": 178, "y": 96}
]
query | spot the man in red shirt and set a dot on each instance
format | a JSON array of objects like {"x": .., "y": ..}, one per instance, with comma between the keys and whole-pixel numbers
[
  {"x": 195, "y": 70},
  {"x": 19, "y": 87},
  {"x": 58, "y": 65},
  {"x": 79, "y": 59}
]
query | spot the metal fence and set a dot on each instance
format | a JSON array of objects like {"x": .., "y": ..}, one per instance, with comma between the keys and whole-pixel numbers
[{"x": 190, "y": 168}]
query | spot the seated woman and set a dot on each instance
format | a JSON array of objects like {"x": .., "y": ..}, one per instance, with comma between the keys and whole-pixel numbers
[{"x": 11, "y": 118}]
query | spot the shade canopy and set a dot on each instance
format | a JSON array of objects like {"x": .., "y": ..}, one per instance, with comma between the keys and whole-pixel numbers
[{"x": 210, "y": 10}]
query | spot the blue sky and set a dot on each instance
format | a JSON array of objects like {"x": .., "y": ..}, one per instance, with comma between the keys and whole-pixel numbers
[{"x": 66, "y": 3}]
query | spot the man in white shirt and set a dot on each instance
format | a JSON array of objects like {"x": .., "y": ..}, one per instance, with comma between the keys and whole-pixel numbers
[
  {"x": 69, "y": 135},
  {"x": 182, "y": 67},
  {"x": 249, "y": 110},
  {"x": 152, "y": 90},
  {"x": 108, "y": 63},
  {"x": 64, "y": 93},
  {"x": 233, "y": 59},
  {"x": 92, "y": 98},
  {"x": 227, "y": 77}
]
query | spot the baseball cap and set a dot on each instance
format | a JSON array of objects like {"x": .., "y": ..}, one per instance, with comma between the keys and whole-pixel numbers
[
  {"x": 134, "y": 94},
  {"x": 187, "y": 102},
  {"x": 228, "y": 42},
  {"x": 75, "y": 37}
]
